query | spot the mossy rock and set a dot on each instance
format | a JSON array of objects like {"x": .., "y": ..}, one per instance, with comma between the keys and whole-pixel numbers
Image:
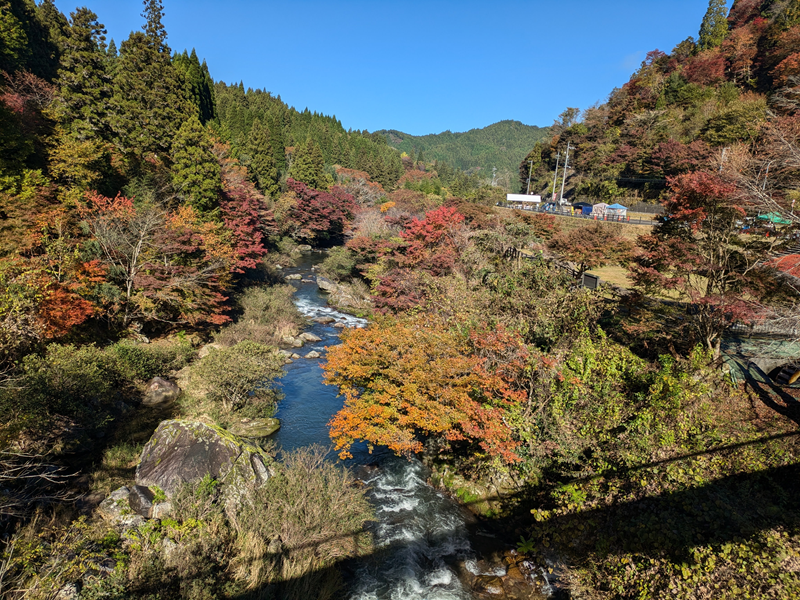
[
  {"x": 255, "y": 428},
  {"x": 184, "y": 452}
]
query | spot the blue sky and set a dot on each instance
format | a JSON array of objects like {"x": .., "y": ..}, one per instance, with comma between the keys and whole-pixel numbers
[{"x": 420, "y": 67}]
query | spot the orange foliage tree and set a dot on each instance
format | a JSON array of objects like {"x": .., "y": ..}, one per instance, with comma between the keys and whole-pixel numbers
[{"x": 418, "y": 376}]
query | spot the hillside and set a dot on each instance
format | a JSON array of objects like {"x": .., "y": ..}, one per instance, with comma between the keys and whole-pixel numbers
[
  {"x": 501, "y": 145},
  {"x": 726, "y": 102}
]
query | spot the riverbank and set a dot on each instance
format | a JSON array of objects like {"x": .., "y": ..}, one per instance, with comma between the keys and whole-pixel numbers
[{"x": 113, "y": 554}]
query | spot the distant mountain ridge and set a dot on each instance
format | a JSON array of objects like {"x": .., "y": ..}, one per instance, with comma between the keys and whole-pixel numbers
[{"x": 502, "y": 145}]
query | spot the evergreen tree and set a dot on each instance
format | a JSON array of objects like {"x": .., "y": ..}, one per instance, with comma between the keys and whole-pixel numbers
[
  {"x": 84, "y": 87},
  {"x": 208, "y": 103},
  {"x": 714, "y": 26},
  {"x": 262, "y": 161},
  {"x": 29, "y": 37},
  {"x": 13, "y": 40},
  {"x": 199, "y": 89},
  {"x": 149, "y": 102},
  {"x": 195, "y": 170},
  {"x": 154, "y": 27},
  {"x": 307, "y": 165}
]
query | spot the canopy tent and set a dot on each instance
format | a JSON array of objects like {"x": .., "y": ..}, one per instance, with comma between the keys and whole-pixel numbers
[
  {"x": 599, "y": 209},
  {"x": 774, "y": 217},
  {"x": 523, "y": 198},
  {"x": 617, "y": 210}
]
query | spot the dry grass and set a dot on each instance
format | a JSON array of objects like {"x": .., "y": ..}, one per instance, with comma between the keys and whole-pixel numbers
[
  {"x": 630, "y": 232},
  {"x": 613, "y": 274},
  {"x": 117, "y": 467},
  {"x": 268, "y": 315}
]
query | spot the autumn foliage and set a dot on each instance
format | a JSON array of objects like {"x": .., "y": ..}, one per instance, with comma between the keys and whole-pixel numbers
[{"x": 407, "y": 378}]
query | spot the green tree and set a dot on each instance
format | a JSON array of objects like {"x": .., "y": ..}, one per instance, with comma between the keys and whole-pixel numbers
[
  {"x": 195, "y": 170},
  {"x": 13, "y": 41},
  {"x": 84, "y": 87},
  {"x": 278, "y": 144},
  {"x": 714, "y": 26},
  {"x": 149, "y": 102},
  {"x": 199, "y": 87},
  {"x": 262, "y": 167},
  {"x": 308, "y": 165}
]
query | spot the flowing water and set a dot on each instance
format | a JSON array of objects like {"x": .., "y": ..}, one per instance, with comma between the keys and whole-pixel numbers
[{"x": 420, "y": 535}]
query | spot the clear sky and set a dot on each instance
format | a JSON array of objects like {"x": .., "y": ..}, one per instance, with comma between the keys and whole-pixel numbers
[{"x": 420, "y": 67}]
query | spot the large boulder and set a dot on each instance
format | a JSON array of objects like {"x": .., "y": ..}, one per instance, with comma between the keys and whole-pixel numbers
[
  {"x": 184, "y": 452},
  {"x": 326, "y": 285},
  {"x": 160, "y": 392}
]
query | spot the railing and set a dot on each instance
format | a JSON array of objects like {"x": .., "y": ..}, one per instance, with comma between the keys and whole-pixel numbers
[
  {"x": 563, "y": 212},
  {"x": 764, "y": 330}
]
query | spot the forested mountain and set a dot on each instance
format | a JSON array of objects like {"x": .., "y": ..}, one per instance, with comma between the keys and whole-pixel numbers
[
  {"x": 288, "y": 128},
  {"x": 501, "y": 145},
  {"x": 726, "y": 101}
]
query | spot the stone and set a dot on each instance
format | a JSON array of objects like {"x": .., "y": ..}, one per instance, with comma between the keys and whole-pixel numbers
[
  {"x": 160, "y": 392},
  {"x": 117, "y": 510},
  {"x": 325, "y": 320},
  {"x": 68, "y": 592},
  {"x": 168, "y": 547},
  {"x": 140, "y": 500},
  {"x": 313, "y": 354},
  {"x": 255, "y": 428},
  {"x": 340, "y": 325},
  {"x": 295, "y": 356},
  {"x": 488, "y": 584},
  {"x": 304, "y": 248},
  {"x": 279, "y": 267},
  {"x": 294, "y": 277},
  {"x": 306, "y": 281},
  {"x": 326, "y": 285},
  {"x": 293, "y": 342},
  {"x": 184, "y": 452},
  {"x": 310, "y": 337},
  {"x": 206, "y": 350},
  {"x": 161, "y": 510},
  {"x": 115, "y": 504},
  {"x": 288, "y": 361}
]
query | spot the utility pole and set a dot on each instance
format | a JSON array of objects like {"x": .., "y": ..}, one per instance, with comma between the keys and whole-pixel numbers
[
  {"x": 555, "y": 175},
  {"x": 530, "y": 166},
  {"x": 564, "y": 180}
]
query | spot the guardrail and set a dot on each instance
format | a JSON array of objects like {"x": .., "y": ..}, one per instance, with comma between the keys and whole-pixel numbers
[{"x": 566, "y": 213}]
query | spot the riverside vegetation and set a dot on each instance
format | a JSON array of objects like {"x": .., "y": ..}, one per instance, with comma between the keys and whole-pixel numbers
[{"x": 594, "y": 429}]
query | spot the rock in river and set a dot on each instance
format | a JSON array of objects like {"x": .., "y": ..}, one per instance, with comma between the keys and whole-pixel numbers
[
  {"x": 326, "y": 285},
  {"x": 255, "y": 428},
  {"x": 185, "y": 452}
]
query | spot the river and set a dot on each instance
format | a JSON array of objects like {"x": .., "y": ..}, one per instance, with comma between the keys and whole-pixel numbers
[{"x": 421, "y": 536}]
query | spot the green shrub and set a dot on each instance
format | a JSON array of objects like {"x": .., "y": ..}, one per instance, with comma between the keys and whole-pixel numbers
[
  {"x": 77, "y": 382},
  {"x": 339, "y": 265},
  {"x": 239, "y": 377},
  {"x": 268, "y": 315},
  {"x": 142, "y": 362}
]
